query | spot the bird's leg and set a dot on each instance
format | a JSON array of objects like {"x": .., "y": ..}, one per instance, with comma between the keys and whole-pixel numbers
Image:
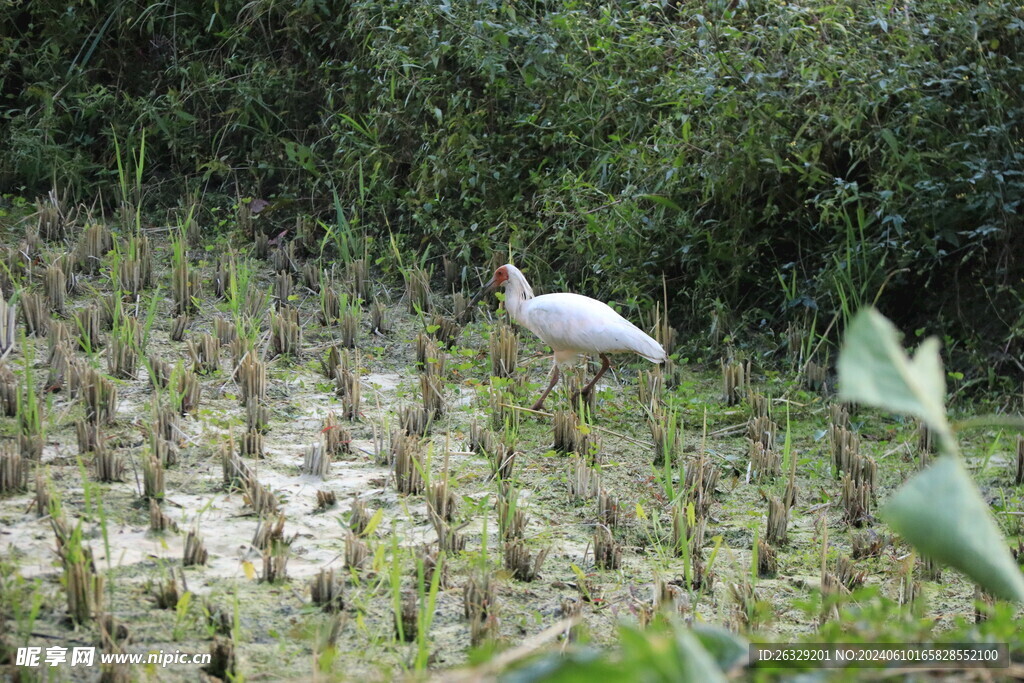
[
  {"x": 605, "y": 364},
  {"x": 554, "y": 380}
]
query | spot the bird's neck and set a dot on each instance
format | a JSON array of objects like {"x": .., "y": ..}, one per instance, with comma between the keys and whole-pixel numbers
[{"x": 517, "y": 293}]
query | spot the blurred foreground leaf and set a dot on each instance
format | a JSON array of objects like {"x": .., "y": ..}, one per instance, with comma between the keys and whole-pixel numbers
[
  {"x": 666, "y": 651},
  {"x": 940, "y": 512},
  {"x": 874, "y": 370}
]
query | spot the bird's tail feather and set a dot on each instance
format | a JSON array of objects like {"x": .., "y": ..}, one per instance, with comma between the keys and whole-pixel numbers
[{"x": 650, "y": 349}]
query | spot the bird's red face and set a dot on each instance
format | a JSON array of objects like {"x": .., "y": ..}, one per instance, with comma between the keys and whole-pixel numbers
[{"x": 500, "y": 276}]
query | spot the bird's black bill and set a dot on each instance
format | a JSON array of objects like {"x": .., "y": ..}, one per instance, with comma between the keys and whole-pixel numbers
[
  {"x": 480, "y": 295},
  {"x": 476, "y": 298}
]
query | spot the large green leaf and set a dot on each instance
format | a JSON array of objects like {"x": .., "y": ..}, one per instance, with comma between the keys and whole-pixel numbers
[
  {"x": 940, "y": 512},
  {"x": 874, "y": 370}
]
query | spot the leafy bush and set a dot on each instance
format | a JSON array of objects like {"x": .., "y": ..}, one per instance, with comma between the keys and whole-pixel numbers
[{"x": 857, "y": 148}]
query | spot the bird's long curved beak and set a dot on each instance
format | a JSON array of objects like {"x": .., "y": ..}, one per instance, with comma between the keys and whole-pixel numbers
[{"x": 489, "y": 287}]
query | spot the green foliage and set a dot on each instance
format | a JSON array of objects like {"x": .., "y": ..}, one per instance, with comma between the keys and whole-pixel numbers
[
  {"x": 667, "y": 651},
  {"x": 21, "y": 601},
  {"x": 664, "y": 652},
  {"x": 858, "y": 149}
]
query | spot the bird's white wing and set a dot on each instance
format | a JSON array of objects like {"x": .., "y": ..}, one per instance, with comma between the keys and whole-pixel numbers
[{"x": 578, "y": 324}]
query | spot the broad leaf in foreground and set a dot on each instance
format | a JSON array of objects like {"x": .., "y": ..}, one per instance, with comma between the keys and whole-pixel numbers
[
  {"x": 874, "y": 370},
  {"x": 940, "y": 512}
]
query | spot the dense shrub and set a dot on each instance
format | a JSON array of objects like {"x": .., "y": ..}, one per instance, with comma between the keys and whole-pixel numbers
[{"x": 843, "y": 148}]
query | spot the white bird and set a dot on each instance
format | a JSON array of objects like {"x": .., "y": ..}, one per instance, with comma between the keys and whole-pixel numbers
[{"x": 570, "y": 324}]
